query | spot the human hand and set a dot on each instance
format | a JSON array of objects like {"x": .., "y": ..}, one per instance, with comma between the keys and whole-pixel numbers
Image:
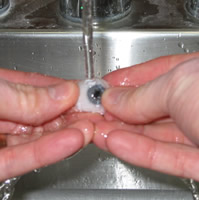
[
  {"x": 32, "y": 122},
  {"x": 160, "y": 109}
]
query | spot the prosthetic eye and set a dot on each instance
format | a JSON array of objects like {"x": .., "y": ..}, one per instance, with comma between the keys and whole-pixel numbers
[
  {"x": 91, "y": 91},
  {"x": 95, "y": 93}
]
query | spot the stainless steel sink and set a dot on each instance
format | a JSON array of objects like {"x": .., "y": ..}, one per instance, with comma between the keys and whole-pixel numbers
[{"x": 39, "y": 40}]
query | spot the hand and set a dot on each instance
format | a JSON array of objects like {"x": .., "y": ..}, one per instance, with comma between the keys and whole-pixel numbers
[
  {"x": 160, "y": 109},
  {"x": 33, "y": 125}
]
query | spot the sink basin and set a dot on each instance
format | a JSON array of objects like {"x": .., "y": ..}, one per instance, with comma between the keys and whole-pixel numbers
[
  {"x": 35, "y": 41},
  {"x": 60, "y": 54}
]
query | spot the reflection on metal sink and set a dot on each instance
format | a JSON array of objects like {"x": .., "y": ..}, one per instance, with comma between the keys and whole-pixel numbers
[{"x": 58, "y": 52}]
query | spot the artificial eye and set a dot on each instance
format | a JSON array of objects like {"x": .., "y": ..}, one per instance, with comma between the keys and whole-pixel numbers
[
  {"x": 95, "y": 93},
  {"x": 91, "y": 91}
]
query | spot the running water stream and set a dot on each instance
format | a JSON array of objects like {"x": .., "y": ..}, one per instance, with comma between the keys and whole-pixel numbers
[{"x": 87, "y": 27}]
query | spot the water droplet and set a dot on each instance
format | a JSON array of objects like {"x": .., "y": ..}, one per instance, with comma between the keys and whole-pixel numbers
[
  {"x": 109, "y": 70},
  {"x": 101, "y": 158},
  {"x": 45, "y": 45},
  {"x": 113, "y": 57},
  {"x": 186, "y": 50},
  {"x": 15, "y": 68},
  {"x": 80, "y": 48},
  {"x": 104, "y": 135},
  {"x": 37, "y": 171},
  {"x": 117, "y": 59},
  {"x": 179, "y": 35},
  {"x": 181, "y": 45},
  {"x": 33, "y": 53},
  {"x": 94, "y": 53},
  {"x": 99, "y": 74},
  {"x": 118, "y": 67}
]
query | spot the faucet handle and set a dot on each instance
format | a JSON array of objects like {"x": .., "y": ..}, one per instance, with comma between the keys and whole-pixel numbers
[
  {"x": 4, "y": 4},
  {"x": 192, "y": 8}
]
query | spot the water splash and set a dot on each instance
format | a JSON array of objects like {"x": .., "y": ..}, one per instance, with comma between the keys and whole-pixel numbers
[
  {"x": 80, "y": 48},
  {"x": 37, "y": 171},
  {"x": 87, "y": 25},
  {"x": 7, "y": 188},
  {"x": 193, "y": 187},
  {"x": 181, "y": 45}
]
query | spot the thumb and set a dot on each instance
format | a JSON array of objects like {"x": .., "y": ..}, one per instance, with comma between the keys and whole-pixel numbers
[
  {"x": 35, "y": 105},
  {"x": 174, "y": 94}
]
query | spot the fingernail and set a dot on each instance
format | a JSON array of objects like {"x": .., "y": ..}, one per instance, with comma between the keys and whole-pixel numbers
[
  {"x": 114, "y": 95},
  {"x": 60, "y": 91}
]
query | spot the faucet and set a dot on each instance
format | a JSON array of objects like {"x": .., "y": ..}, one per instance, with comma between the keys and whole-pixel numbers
[
  {"x": 103, "y": 10},
  {"x": 192, "y": 8},
  {"x": 4, "y": 4}
]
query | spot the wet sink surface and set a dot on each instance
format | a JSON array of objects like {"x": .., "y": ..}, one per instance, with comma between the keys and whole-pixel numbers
[{"x": 60, "y": 54}]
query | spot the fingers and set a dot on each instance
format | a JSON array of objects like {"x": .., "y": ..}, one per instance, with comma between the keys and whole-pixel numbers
[
  {"x": 142, "y": 105},
  {"x": 165, "y": 132},
  {"x": 142, "y": 151},
  {"x": 33, "y": 105},
  {"x": 28, "y": 78},
  {"x": 174, "y": 94},
  {"x": 75, "y": 117},
  {"x": 85, "y": 126},
  {"x": 48, "y": 149},
  {"x": 145, "y": 72},
  {"x": 7, "y": 127}
]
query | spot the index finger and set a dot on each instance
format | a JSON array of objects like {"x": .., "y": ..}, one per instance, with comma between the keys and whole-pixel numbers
[{"x": 145, "y": 72}]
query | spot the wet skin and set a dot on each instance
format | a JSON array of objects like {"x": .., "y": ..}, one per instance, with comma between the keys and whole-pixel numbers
[
  {"x": 164, "y": 110},
  {"x": 32, "y": 124},
  {"x": 49, "y": 131}
]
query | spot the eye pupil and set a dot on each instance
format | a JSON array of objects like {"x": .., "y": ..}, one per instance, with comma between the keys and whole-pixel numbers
[{"x": 95, "y": 94}]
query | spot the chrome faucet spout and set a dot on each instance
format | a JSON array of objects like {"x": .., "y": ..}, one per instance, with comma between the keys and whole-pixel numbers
[
  {"x": 192, "y": 8},
  {"x": 4, "y": 4},
  {"x": 103, "y": 10}
]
